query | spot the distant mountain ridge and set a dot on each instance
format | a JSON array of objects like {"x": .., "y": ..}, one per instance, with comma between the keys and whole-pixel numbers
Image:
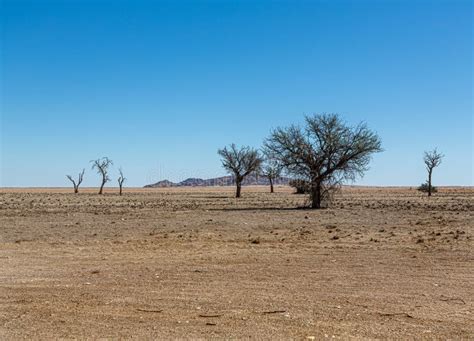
[{"x": 221, "y": 181}]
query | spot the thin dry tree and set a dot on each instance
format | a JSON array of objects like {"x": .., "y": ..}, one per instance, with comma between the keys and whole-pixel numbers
[
  {"x": 121, "y": 179},
  {"x": 270, "y": 169},
  {"x": 102, "y": 167},
  {"x": 432, "y": 159},
  {"x": 240, "y": 162},
  {"x": 77, "y": 183}
]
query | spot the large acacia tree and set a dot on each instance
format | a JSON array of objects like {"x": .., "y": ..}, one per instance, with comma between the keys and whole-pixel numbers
[
  {"x": 326, "y": 152},
  {"x": 240, "y": 162}
]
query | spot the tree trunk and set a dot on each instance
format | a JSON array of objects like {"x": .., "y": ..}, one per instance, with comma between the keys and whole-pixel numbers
[
  {"x": 239, "y": 188},
  {"x": 76, "y": 189},
  {"x": 102, "y": 187},
  {"x": 120, "y": 192},
  {"x": 271, "y": 185},
  {"x": 429, "y": 182},
  {"x": 316, "y": 195}
]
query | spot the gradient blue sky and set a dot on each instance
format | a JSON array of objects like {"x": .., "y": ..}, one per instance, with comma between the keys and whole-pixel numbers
[{"x": 160, "y": 86}]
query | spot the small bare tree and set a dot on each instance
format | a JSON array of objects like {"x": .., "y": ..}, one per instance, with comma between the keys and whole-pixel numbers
[
  {"x": 77, "y": 183},
  {"x": 102, "y": 167},
  {"x": 271, "y": 169},
  {"x": 432, "y": 160},
  {"x": 240, "y": 162},
  {"x": 325, "y": 153},
  {"x": 121, "y": 179}
]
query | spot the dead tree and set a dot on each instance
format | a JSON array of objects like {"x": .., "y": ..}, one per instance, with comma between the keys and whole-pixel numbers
[
  {"x": 325, "y": 153},
  {"x": 121, "y": 179},
  {"x": 271, "y": 170},
  {"x": 77, "y": 183},
  {"x": 102, "y": 167},
  {"x": 432, "y": 160},
  {"x": 240, "y": 162}
]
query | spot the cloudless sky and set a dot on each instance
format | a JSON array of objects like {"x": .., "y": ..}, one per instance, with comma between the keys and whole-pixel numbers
[{"x": 159, "y": 86}]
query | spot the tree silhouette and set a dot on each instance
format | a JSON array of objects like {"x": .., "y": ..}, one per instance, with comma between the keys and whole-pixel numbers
[
  {"x": 102, "y": 167},
  {"x": 432, "y": 159},
  {"x": 121, "y": 179},
  {"x": 77, "y": 183},
  {"x": 240, "y": 162},
  {"x": 271, "y": 169}
]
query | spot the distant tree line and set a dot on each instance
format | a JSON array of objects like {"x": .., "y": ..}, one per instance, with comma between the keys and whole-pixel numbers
[
  {"x": 102, "y": 167},
  {"x": 319, "y": 157}
]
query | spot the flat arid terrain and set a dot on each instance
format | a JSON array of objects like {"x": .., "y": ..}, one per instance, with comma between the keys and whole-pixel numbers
[{"x": 197, "y": 263}]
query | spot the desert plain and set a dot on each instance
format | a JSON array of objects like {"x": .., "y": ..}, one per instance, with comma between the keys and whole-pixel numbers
[{"x": 196, "y": 263}]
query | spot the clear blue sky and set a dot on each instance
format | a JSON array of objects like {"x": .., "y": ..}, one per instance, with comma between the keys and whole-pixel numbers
[{"x": 160, "y": 86}]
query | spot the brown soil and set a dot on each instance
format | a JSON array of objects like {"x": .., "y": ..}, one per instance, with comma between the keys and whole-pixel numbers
[{"x": 196, "y": 263}]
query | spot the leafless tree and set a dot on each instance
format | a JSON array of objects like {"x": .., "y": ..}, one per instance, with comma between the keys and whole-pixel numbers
[
  {"x": 326, "y": 152},
  {"x": 432, "y": 160},
  {"x": 271, "y": 169},
  {"x": 77, "y": 183},
  {"x": 121, "y": 179},
  {"x": 102, "y": 167},
  {"x": 240, "y": 162}
]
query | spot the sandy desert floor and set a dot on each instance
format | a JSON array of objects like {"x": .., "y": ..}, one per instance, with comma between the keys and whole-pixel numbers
[{"x": 196, "y": 263}]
